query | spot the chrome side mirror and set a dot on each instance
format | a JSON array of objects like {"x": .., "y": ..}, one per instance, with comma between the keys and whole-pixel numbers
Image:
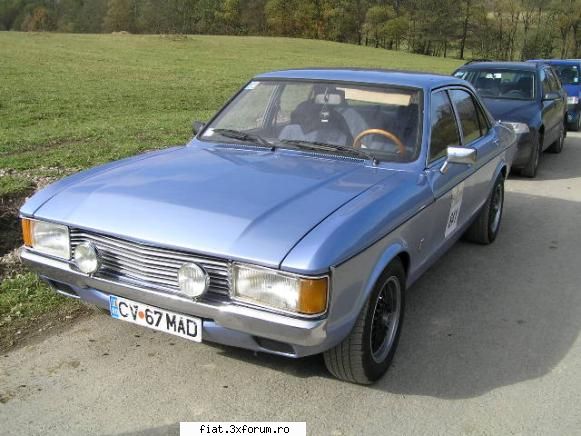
[{"x": 458, "y": 155}]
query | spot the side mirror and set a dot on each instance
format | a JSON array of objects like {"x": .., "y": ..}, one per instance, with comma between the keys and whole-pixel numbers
[
  {"x": 458, "y": 155},
  {"x": 197, "y": 126},
  {"x": 550, "y": 96}
]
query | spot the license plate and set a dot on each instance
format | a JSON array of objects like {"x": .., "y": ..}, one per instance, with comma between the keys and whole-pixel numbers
[{"x": 186, "y": 327}]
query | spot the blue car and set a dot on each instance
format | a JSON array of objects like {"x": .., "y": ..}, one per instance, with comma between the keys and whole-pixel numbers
[
  {"x": 527, "y": 95},
  {"x": 292, "y": 223},
  {"x": 569, "y": 71}
]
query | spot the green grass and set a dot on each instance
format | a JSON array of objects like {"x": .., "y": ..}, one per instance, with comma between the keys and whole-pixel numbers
[
  {"x": 25, "y": 296},
  {"x": 73, "y": 101},
  {"x": 11, "y": 185},
  {"x": 78, "y": 100}
]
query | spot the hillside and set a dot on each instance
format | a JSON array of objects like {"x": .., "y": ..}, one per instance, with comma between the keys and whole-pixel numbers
[{"x": 71, "y": 101}]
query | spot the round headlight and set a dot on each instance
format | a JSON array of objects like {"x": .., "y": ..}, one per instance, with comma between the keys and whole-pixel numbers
[
  {"x": 193, "y": 280},
  {"x": 86, "y": 258}
]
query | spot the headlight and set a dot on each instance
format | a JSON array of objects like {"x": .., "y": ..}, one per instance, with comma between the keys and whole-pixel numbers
[
  {"x": 45, "y": 237},
  {"x": 518, "y": 128},
  {"x": 86, "y": 258},
  {"x": 572, "y": 100},
  {"x": 193, "y": 280},
  {"x": 287, "y": 292}
]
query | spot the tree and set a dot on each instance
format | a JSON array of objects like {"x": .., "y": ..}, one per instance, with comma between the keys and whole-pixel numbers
[
  {"x": 119, "y": 16},
  {"x": 40, "y": 20},
  {"x": 375, "y": 22},
  {"x": 280, "y": 17}
]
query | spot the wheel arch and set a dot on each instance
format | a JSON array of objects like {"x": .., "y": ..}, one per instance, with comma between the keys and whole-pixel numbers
[{"x": 395, "y": 251}]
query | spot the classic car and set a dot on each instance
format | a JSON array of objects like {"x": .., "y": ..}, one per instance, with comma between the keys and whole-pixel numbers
[
  {"x": 292, "y": 223},
  {"x": 530, "y": 97},
  {"x": 569, "y": 71}
]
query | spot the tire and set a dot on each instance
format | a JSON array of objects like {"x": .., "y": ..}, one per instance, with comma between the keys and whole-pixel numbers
[
  {"x": 366, "y": 354},
  {"x": 577, "y": 126},
  {"x": 487, "y": 224},
  {"x": 557, "y": 146},
  {"x": 530, "y": 169}
]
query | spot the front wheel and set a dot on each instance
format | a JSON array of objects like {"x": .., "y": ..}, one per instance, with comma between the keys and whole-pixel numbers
[
  {"x": 366, "y": 354},
  {"x": 557, "y": 146},
  {"x": 487, "y": 224},
  {"x": 530, "y": 169}
]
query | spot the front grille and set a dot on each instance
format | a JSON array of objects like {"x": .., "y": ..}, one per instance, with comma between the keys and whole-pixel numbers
[{"x": 149, "y": 267}]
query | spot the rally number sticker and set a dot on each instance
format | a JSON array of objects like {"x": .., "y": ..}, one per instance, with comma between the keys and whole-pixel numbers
[{"x": 452, "y": 223}]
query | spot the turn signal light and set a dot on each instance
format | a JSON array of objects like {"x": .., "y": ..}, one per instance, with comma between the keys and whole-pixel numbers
[
  {"x": 26, "y": 231},
  {"x": 312, "y": 296}
]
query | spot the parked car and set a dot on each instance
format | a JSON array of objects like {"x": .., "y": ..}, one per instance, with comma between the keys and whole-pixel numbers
[
  {"x": 569, "y": 71},
  {"x": 292, "y": 223},
  {"x": 528, "y": 95}
]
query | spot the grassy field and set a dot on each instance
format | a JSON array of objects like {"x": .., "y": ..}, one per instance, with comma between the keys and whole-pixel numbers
[{"x": 68, "y": 102}]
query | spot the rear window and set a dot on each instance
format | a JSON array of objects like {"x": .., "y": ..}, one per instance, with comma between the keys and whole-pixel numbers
[{"x": 569, "y": 74}]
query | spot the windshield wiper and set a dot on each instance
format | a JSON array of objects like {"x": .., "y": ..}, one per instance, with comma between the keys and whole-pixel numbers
[
  {"x": 313, "y": 145},
  {"x": 244, "y": 136}
]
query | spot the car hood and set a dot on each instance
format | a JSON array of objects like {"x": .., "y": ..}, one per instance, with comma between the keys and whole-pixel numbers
[
  {"x": 232, "y": 202},
  {"x": 521, "y": 111}
]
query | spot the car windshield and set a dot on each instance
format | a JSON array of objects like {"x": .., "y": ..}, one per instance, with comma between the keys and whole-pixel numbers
[
  {"x": 379, "y": 121},
  {"x": 569, "y": 74},
  {"x": 497, "y": 83}
]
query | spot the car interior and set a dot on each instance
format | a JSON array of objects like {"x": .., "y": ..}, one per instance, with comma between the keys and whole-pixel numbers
[
  {"x": 327, "y": 116},
  {"x": 502, "y": 85}
]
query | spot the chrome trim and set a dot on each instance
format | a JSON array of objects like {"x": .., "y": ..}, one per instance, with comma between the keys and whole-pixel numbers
[
  {"x": 151, "y": 267},
  {"x": 234, "y": 317},
  {"x": 254, "y": 304}
]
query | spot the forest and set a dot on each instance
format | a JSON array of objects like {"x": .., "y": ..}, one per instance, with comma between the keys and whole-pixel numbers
[{"x": 465, "y": 29}]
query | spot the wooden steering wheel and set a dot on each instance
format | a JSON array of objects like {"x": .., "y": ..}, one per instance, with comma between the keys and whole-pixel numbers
[{"x": 391, "y": 136}]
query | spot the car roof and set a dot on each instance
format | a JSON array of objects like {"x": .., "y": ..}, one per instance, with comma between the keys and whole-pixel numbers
[
  {"x": 413, "y": 79},
  {"x": 558, "y": 61},
  {"x": 523, "y": 66}
]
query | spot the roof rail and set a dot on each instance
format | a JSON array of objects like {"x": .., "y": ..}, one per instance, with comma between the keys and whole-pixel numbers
[{"x": 477, "y": 60}]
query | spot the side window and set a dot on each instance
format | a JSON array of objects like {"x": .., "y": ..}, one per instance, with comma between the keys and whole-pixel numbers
[
  {"x": 483, "y": 120},
  {"x": 555, "y": 85},
  {"x": 545, "y": 82},
  {"x": 466, "y": 111},
  {"x": 444, "y": 131}
]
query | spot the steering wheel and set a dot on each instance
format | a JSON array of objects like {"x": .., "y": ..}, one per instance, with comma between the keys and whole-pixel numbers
[
  {"x": 516, "y": 93},
  {"x": 389, "y": 135}
]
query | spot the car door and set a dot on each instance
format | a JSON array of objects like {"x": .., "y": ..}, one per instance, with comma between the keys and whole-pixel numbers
[
  {"x": 562, "y": 101},
  {"x": 448, "y": 187},
  {"x": 550, "y": 108},
  {"x": 476, "y": 132}
]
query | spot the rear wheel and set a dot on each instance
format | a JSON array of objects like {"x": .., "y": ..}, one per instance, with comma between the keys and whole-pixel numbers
[
  {"x": 576, "y": 126},
  {"x": 557, "y": 146},
  {"x": 366, "y": 354},
  {"x": 487, "y": 224}
]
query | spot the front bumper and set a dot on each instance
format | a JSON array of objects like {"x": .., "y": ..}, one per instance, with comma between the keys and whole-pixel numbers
[{"x": 223, "y": 322}]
